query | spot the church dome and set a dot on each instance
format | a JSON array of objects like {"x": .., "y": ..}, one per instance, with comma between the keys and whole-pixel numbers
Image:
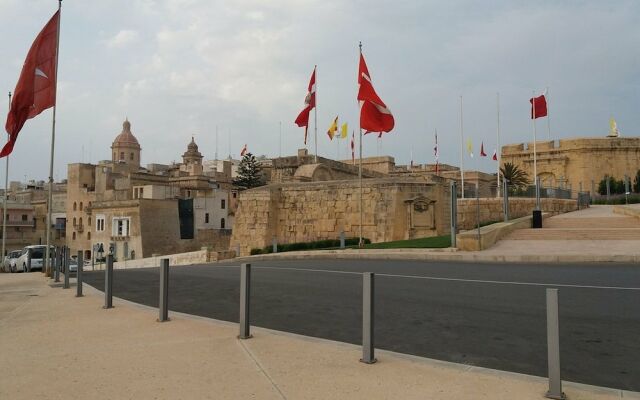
[{"x": 126, "y": 138}]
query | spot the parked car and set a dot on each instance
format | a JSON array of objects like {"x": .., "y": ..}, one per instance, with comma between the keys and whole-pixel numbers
[
  {"x": 9, "y": 263},
  {"x": 37, "y": 258}
]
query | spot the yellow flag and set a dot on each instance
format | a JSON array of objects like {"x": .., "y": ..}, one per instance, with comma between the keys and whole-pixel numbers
[
  {"x": 333, "y": 128},
  {"x": 343, "y": 131},
  {"x": 470, "y": 147}
]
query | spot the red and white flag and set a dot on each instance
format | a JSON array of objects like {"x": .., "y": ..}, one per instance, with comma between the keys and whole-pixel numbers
[
  {"x": 538, "y": 106},
  {"x": 36, "y": 88},
  {"x": 495, "y": 155},
  {"x": 243, "y": 151},
  {"x": 353, "y": 147},
  {"x": 374, "y": 114},
  {"x": 310, "y": 103},
  {"x": 482, "y": 153}
]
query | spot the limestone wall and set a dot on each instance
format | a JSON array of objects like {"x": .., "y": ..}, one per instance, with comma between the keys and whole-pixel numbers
[
  {"x": 491, "y": 209},
  {"x": 575, "y": 163},
  {"x": 297, "y": 212}
]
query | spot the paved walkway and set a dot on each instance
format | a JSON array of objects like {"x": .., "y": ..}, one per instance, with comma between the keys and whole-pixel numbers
[{"x": 56, "y": 346}]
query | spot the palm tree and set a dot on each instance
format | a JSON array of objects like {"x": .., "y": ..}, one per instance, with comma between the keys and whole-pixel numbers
[{"x": 516, "y": 178}]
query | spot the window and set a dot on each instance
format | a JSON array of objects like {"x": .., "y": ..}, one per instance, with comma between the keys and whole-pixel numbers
[
  {"x": 74, "y": 221},
  {"x": 122, "y": 155},
  {"x": 120, "y": 226},
  {"x": 74, "y": 206},
  {"x": 24, "y": 217},
  {"x": 222, "y": 203},
  {"x": 88, "y": 235},
  {"x": 206, "y": 218},
  {"x": 135, "y": 193},
  {"x": 100, "y": 223},
  {"x": 80, "y": 221},
  {"x": 80, "y": 206},
  {"x": 188, "y": 193},
  {"x": 131, "y": 157},
  {"x": 234, "y": 194},
  {"x": 89, "y": 221},
  {"x": 73, "y": 236},
  {"x": 222, "y": 223},
  {"x": 141, "y": 193}
]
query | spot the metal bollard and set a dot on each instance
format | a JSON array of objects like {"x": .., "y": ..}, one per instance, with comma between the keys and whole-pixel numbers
[
  {"x": 79, "y": 274},
  {"x": 67, "y": 258},
  {"x": 163, "y": 304},
  {"x": 342, "y": 240},
  {"x": 553, "y": 346},
  {"x": 108, "y": 283},
  {"x": 59, "y": 256},
  {"x": 29, "y": 254},
  {"x": 454, "y": 212},
  {"x": 245, "y": 299},
  {"x": 368, "y": 346}
]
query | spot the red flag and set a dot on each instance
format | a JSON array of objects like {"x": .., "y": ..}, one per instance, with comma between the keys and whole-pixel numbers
[
  {"x": 495, "y": 155},
  {"x": 374, "y": 114},
  {"x": 36, "y": 88},
  {"x": 243, "y": 151},
  {"x": 482, "y": 153},
  {"x": 353, "y": 147},
  {"x": 310, "y": 103},
  {"x": 538, "y": 106}
]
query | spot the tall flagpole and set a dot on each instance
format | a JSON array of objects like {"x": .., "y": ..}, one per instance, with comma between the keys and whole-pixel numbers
[
  {"x": 548, "y": 119},
  {"x": 461, "y": 150},
  {"x": 53, "y": 141},
  {"x": 315, "y": 114},
  {"x": 360, "y": 242},
  {"x": 535, "y": 156},
  {"x": 6, "y": 190},
  {"x": 498, "y": 144}
]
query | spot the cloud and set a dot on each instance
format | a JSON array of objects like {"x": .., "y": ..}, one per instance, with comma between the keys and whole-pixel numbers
[{"x": 122, "y": 39}]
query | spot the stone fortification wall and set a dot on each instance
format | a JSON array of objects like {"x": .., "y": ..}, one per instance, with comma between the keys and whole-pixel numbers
[
  {"x": 575, "y": 163},
  {"x": 298, "y": 212},
  {"x": 491, "y": 209}
]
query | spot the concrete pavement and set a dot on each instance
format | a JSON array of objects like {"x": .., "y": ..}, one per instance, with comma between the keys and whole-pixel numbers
[{"x": 56, "y": 346}]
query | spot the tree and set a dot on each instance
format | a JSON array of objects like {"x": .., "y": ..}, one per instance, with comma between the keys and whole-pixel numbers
[
  {"x": 249, "y": 173},
  {"x": 636, "y": 185},
  {"x": 516, "y": 178}
]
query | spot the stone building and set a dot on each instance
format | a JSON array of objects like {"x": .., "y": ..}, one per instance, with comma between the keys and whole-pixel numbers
[
  {"x": 136, "y": 212},
  {"x": 577, "y": 164},
  {"x": 310, "y": 199}
]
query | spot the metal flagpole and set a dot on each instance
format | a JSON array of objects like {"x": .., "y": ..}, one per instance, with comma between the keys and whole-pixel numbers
[
  {"x": 53, "y": 141},
  {"x": 461, "y": 151},
  {"x": 6, "y": 190},
  {"x": 280, "y": 141},
  {"x": 535, "y": 156},
  {"x": 360, "y": 243},
  {"x": 216, "y": 155},
  {"x": 548, "y": 119},
  {"x": 498, "y": 145},
  {"x": 315, "y": 114}
]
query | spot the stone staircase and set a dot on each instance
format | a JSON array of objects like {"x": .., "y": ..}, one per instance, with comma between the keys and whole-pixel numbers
[{"x": 600, "y": 228}]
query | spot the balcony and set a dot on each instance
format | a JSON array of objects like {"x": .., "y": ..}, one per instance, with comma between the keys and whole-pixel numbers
[
  {"x": 79, "y": 228},
  {"x": 21, "y": 223}
]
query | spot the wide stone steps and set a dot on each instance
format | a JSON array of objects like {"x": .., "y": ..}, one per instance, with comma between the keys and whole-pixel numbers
[
  {"x": 612, "y": 222},
  {"x": 575, "y": 234}
]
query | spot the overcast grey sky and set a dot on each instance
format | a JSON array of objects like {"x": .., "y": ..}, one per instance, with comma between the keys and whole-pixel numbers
[{"x": 178, "y": 68}]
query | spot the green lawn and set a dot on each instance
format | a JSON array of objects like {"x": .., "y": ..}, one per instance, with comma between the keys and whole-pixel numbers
[{"x": 429, "y": 242}]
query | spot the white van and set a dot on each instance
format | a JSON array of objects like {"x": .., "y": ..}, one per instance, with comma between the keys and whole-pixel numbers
[{"x": 37, "y": 258}]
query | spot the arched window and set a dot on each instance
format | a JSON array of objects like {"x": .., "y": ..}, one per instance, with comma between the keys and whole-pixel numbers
[
  {"x": 80, "y": 221},
  {"x": 74, "y": 206},
  {"x": 81, "y": 206},
  {"x": 89, "y": 221},
  {"x": 222, "y": 223},
  {"x": 88, "y": 235},
  {"x": 73, "y": 236},
  {"x": 74, "y": 221}
]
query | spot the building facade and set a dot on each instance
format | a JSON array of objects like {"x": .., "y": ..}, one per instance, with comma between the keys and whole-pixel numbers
[{"x": 133, "y": 212}]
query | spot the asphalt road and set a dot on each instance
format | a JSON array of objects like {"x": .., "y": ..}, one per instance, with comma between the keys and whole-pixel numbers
[{"x": 490, "y": 323}]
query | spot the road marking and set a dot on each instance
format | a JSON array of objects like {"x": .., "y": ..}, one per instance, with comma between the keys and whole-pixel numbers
[{"x": 437, "y": 278}]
